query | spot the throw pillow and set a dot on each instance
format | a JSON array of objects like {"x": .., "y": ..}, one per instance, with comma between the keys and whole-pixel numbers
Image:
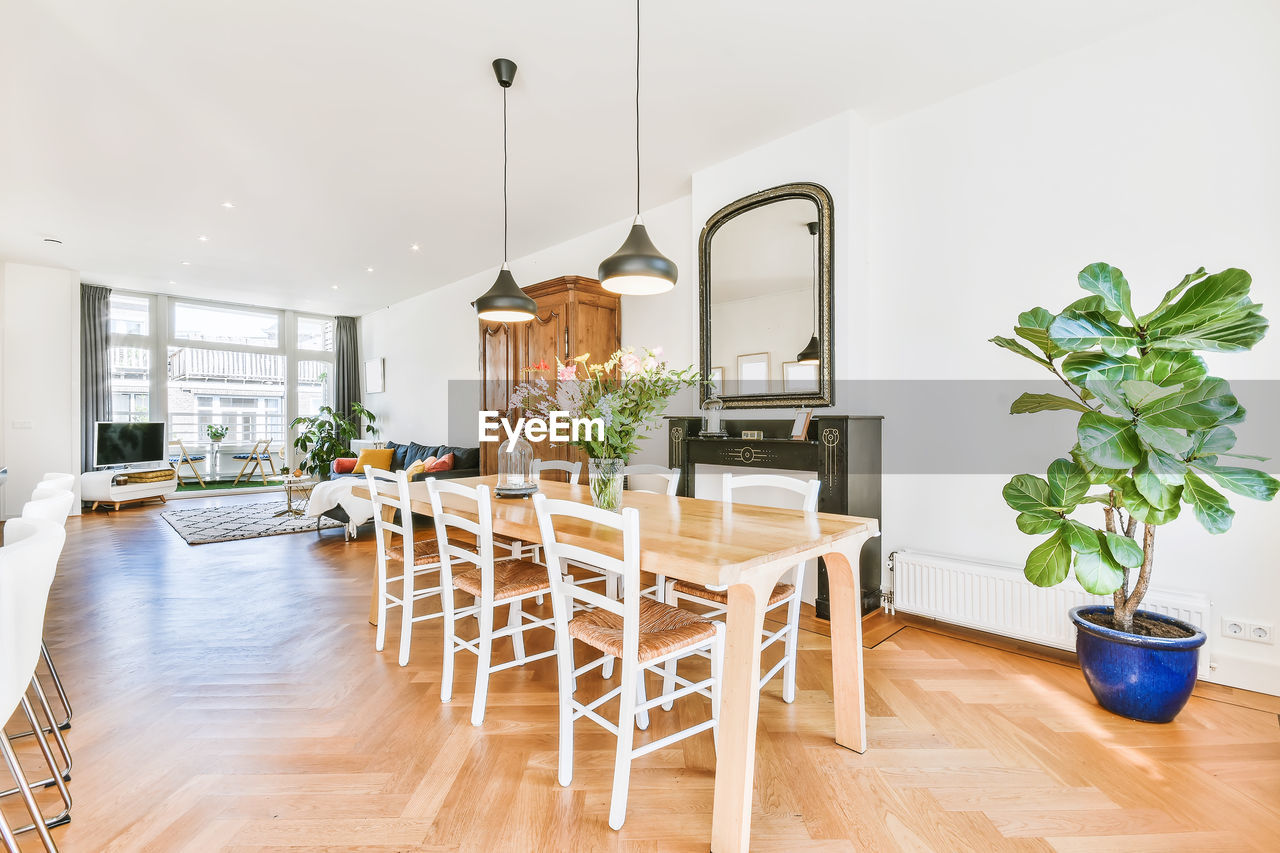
[
  {"x": 374, "y": 458},
  {"x": 444, "y": 463},
  {"x": 416, "y": 468},
  {"x": 344, "y": 466}
]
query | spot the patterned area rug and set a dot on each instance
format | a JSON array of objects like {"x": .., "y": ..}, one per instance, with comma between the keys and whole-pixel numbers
[{"x": 239, "y": 521}]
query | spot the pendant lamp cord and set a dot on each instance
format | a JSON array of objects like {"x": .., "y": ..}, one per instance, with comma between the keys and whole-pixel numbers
[
  {"x": 637, "y": 107},
  {"x": 504, "y": 174}
]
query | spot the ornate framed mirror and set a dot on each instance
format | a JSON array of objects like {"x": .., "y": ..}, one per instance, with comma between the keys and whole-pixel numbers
[{"x": 765, "y": 299}]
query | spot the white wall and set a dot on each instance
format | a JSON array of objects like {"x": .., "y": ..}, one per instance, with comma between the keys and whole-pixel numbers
[
  {"x": 39, "y": 377},
  {"x": 1154, "y": 150}
]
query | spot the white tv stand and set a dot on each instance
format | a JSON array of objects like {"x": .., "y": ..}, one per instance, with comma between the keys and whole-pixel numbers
[{"x": 96, "y": 486}]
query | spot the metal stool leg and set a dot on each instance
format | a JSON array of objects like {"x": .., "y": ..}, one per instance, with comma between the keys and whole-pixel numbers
[
  {"x": 37, "y": 820},
  {"x": 57, "y": 685}
]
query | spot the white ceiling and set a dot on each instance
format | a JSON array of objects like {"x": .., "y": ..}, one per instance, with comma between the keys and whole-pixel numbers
[{"x": 345, "y": 131}]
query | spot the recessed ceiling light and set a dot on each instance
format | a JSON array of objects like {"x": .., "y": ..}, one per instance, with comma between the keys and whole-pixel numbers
[
  {"x": 185, "y": 263},
  {"x": 334, "y": 286},
  {"x": 173, "y": 282},
  {"x": 413, "y": 248},
  {"x": 228, "y": 205},
  {"x": 368, "y": 269},
  {"x": 203, "y": 239},
  {"x": 58, "y": 242}
]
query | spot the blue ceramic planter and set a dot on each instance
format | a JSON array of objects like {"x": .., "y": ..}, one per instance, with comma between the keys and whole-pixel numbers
[{"x": 1142, "y": 678}]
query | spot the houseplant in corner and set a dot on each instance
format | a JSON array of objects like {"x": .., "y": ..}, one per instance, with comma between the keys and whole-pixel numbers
[
  {"x": 1154, "y": 435},
  {"x": 626, "y": 393},
  {"x": 326, "y": 435}
]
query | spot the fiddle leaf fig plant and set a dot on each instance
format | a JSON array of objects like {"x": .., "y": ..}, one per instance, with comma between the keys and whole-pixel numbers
[
  {"x": 327, "y": 435},
  {"x": 1154, "y": 433}
]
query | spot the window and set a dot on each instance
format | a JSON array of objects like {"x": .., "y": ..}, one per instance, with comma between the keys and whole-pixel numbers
[
  {"x": 225, "y": 325},
  {"x": 315, "y": 388},
  {"x": 243, "y": 391},
  {"x": 129, "y": 315},
  {"x": 130, "y": 372},
  {"x": 315, "y": 333}
]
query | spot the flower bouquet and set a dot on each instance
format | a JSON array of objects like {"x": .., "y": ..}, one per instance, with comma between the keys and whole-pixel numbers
[{"x": 625, "y": 393}]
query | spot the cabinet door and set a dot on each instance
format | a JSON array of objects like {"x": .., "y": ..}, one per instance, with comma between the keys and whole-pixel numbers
[
  {"x": 498, "y": 369},
  {"x": 595, "y": 326}
]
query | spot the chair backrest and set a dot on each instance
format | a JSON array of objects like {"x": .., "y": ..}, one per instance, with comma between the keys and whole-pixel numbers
[
  {"x": 455, "y": 517},
  {"x": 65, "y": 482},
  {"x": 670, "y": 476},
  {"x": 183, "y": 456},
  {"x": 27, "y": 564},
  {"x": 572, "y": 470},
  {"x": 52, "y": 507},
  {"x": 48, "y": 490},
  {"x": 555, "y": 516},
  {"x": 390, "y": 489},
  {"x": 806, "y": 489}
]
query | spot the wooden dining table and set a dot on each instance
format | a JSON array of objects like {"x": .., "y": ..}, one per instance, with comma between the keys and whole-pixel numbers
[{"x": 743, "y": 547}]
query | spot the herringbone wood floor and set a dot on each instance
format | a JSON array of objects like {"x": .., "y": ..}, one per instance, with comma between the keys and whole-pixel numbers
[{"x": 228, "y": 697}]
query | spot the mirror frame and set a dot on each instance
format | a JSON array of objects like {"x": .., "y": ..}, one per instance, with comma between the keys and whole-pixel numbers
[{"x": 819, "y": 195}]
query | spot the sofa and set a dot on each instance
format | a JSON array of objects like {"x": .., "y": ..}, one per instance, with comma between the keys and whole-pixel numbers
[{"x": 466, "y": 463}]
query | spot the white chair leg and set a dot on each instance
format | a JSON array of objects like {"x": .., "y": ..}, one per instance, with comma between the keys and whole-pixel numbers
[
  {"x": 626, "y": 730},
  {"x": 717, "y": 674},
  {"x": 669, "y": 668},
  {"x": 380, "y": 640},
  {"x": 660, "y": 588},
  {"x": 610, "y": 591},
  {"x": 564, "y": 659},
  {"x": 450, "y": 643},
  {"x": 513, "y": 621},
  {"x": 789, "y": 668},
  {"x": 406, "y": 611},
  {"x": 483, "y": 664},
  {"x": 642, "y": 714}
]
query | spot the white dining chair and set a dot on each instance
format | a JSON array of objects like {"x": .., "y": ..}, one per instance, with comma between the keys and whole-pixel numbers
[
  {"x": 572, "y": 470},
  {"x": 716, "y": 601},
  {"x": 28, "y": 561},
  {"x": 670, "y": 478},
  {"x": 467, "y": 565},
  {"x": 642, "y": 633},
  {"x": 418, "y": 558},
  {"x": 66, "y": 482}
]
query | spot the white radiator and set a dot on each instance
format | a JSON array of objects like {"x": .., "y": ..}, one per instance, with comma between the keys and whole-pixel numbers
[{"x": 997, "y": 598}]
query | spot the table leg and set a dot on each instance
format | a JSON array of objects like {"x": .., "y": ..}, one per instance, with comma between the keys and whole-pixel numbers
[
  {"x": 389, "y": 516},
  {"x": 739, "y": 706},
  {"x": 846, "y": 643}
]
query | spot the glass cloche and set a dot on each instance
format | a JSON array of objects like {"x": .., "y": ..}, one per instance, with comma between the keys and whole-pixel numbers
[
  {"x": 711, "y": 410},
  {"x": 515, "y": 461}
]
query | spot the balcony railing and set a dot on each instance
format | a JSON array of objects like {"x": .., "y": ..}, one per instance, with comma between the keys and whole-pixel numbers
[{"x": 242, "y": 429}]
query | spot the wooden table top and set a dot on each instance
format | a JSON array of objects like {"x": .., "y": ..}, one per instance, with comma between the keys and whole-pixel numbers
[{"x": 703, "y": 541}]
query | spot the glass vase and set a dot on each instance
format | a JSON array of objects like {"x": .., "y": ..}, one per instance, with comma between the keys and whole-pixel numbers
[{"x": 605, "y": 478}]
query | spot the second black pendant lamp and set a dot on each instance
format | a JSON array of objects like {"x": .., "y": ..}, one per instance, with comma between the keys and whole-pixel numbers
[
  {"x": 812, "y": 353},
  {"x": 637, "y": 268},
  {"x": 505, "y": 302}
]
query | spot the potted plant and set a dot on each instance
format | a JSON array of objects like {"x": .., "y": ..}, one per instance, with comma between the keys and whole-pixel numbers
[
  {"x": 626, "y": 392},
  {"x": 327, "y": 435},
  {"x": 216, "y": 432},
  {"x": 1154, "y": 435}
]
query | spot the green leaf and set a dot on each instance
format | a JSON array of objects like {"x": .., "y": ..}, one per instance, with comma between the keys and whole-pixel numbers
[
  {"x": 1109, "y": 393},
  {"x": 1013, "y": 346},
  {"x": 1033, "y": 327},
  {"x": 1211, "y": 442},
  {"x": 1123, "y": 550},
  {"x": 1094, "y": 305},
  {"x": 1076, "y": 331},
  {"x": 1163, "y": 438},
  {"x": 1049, "y": 562},
  {"x": 1028, "y": 493},
  {"x": 1081, "y": 538},
  {"x": 1035, "y": 525},
  {"x": 1236, "y": 331},
  {"x": 1109, "y": 283},
  {"x": 1172, "y": 294},
  {"x": 1153, "y": 489},
  {"x": 1169, "y": 469},
  {"x": 1139, "y": 393},
  {"x": 1211, "y": 297},
  {"x": 1036, "y": 318},
  {"x": 1212, "y": 509},
  {"x": 1098, "y": 573},
  {"x": 1068, "y": 484},
  {"x": 1098, "y": 474},
  {"x": 1142, "y": 509},
  {"x": 1169, "y": 368},
  {"x": 1028, "y": 403},
  {"x": 1108, "y": 441},
  {"x": 1243, "y": 481},
  {"x": 1247, "y": 456},
  {"x": 1098, "y": 365},
  {"x": 1194, "y": 408}
]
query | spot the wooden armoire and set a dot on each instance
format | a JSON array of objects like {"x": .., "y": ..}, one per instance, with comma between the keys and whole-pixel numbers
[{"x": 575, "y": 316}]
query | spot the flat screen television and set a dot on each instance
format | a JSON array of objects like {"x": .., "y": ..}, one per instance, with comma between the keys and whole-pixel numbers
[{"x": 128, "y": 444}]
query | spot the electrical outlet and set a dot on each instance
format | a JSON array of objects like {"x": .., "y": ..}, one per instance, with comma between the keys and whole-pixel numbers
[
  {"x": 1260, "y": 633},
  {"x": 1237, "y": 628}
]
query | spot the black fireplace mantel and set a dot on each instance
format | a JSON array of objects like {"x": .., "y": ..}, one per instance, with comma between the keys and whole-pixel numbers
[{"x": 844, "y": 451}]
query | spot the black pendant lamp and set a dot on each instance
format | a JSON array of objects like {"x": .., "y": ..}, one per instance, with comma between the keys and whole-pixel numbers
[
  {"x": 505, "y": 302},
  {"x": 812, "y": 353},
  {"x": 637, "y": 268}
]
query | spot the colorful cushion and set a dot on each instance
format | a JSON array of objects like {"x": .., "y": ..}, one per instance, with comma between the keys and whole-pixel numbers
[
  {"x": 344, "y": 466},
  {"x": 416, "y": 468},
  {"x": 444, "y": 463},
  {"x": 374, "y": 458}
]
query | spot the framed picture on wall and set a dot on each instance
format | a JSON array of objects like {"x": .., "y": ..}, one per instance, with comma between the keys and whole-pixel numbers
[
  {"x": 373, "y": 376},
  {"x": 716, "y": 377},
  {"x": 799, "y": 378},
  {"x": 753, "y": 373}
]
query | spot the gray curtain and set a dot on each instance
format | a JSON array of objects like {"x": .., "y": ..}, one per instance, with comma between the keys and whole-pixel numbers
[
  {"x": 346, "y": 365},
  {"x": 95, "y": 368}
]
